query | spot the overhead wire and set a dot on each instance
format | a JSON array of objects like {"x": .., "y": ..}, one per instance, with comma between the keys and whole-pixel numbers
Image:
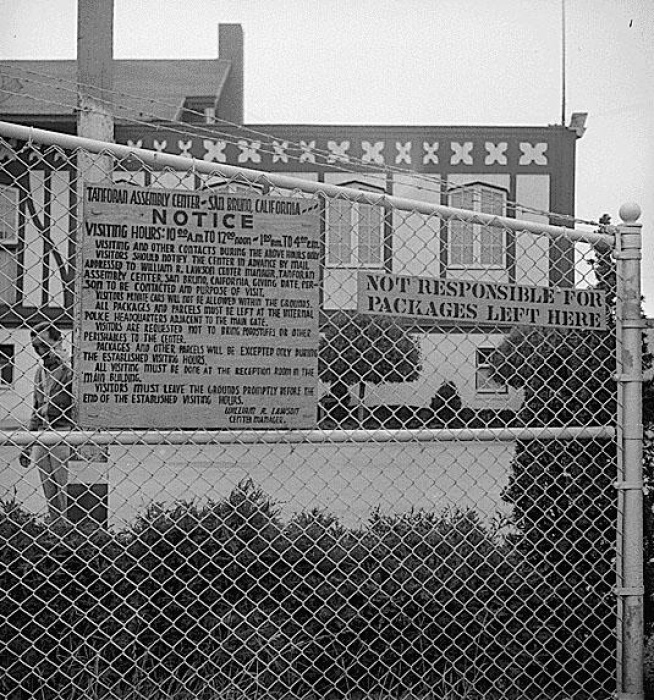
[
  {"x": 190, "y": 129},
  {"x": 213, "y": 130},
  {"x": 61, "y": 104}
]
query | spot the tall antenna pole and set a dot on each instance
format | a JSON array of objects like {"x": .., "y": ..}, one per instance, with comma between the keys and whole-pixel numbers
[{"x": 562, "y": 62}]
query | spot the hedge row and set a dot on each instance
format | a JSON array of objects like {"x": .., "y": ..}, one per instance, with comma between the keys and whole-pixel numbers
[{"x": 225, "y": 597}]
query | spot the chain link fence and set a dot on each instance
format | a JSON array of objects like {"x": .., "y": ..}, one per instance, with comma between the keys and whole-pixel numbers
[{"x": 434, "y": 512}]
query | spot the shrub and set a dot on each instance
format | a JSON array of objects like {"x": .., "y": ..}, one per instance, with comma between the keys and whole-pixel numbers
[
  {"x": 59, "y": 600},
  {"x": 225, "y": 597},
  {"x": 446, "y": 403}
]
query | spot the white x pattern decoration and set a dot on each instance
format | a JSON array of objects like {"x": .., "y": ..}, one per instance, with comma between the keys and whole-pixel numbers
[
  {"x": 372, "y": 153},
  {"x": 461, "y": 153},
  {"x": 403, "y": 152},
  {"x": 279, "y": 152},
  {"x": 214, "y": 150},
  {"x": 307, "y": 155},
  {"x": 533, "y": 154},
  {"x": 249, "y": 151},
  {"x": 185, "y": 148},
  {"x": 496, "y": 153},
  {"x": 430, "y": 152},
  {"x": 338, "y": 152}
]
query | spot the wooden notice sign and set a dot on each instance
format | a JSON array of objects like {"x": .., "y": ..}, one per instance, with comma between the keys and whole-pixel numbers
[
  {"x": 456, "y": 302},
  {"x": 198, "y": 310}
]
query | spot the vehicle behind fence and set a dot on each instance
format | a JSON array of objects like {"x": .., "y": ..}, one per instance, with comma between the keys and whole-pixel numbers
[{"x": 433, "y": 513}]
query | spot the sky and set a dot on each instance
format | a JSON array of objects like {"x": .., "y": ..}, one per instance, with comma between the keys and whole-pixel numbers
[{"x": 415, "y": 62}]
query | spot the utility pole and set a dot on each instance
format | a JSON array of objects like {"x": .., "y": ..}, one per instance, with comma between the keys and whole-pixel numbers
[
  {"x": 95, "y": 81},
  {"x": 88, "y": 490}
]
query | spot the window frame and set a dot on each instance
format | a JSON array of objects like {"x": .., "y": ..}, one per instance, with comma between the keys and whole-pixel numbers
[
  {"x": 12, "y": 239},
  {"x": 355, "y": 210},
  {"x": 7, "y": 365},
  {"x": 485, "y": 385},
  {"x": 477, "y": 190}
]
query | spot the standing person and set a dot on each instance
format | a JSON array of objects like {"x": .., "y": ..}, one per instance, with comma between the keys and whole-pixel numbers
[{"x": 54, "y": 409}]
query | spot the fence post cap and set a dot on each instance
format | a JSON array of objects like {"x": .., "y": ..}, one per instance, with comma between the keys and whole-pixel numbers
[{"x": 630, "y": 212}]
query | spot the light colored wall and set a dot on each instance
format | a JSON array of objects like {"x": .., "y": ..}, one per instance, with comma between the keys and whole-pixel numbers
[
  {"x": 447, "y": 357},
  {"x": 532, "y": 252},
  {"x": 351, "y": 481},
  {"x": 416, "y": 237}
]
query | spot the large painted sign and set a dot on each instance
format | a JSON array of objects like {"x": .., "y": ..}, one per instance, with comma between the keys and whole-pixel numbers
[
  {"x": 455, "y": 301},
  {"x": 198, "y": 310}
]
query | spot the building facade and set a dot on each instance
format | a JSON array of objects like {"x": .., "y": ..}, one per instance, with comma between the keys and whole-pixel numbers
[{"x": 516, "y": 172}]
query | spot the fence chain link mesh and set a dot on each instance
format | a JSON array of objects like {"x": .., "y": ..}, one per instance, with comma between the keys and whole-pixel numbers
[{"x": 427, "y": 537}]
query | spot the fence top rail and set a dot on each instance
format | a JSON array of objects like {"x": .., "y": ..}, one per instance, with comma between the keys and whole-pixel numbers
[
  {"x": 159, "y": 160},
  {"x": 195, "y": 437}
]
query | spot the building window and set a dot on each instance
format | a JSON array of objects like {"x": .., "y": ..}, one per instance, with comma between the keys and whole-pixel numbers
[
  {"x": 477, "y": 245},
  {"x": 8, "y": 215},
  {"x": 209, "y": 115},
  {"x": 6, "y": 366},
  {"x": 484, "y": 383},
  {"x": 355, "y": 231}
]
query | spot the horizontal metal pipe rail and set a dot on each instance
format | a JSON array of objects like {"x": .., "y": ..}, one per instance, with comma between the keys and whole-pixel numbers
[
  {"x": 227, "y": 437},
  {"x": 160, "y": 160}
]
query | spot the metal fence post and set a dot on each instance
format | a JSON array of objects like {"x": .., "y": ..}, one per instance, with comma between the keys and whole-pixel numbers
[{"x": 630, "y": 568}]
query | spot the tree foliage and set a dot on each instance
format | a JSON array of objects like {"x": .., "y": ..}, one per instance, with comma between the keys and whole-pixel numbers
[
  {"x": 567, "y": 375},
  {"x": 359, "y": 349},
  {"x": 562, "y": 491}
]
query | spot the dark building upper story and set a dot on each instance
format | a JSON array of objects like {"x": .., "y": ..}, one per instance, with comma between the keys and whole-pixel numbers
[
  {"x": 44, "y": 93},
  {"x": 150, "y": 96}
]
